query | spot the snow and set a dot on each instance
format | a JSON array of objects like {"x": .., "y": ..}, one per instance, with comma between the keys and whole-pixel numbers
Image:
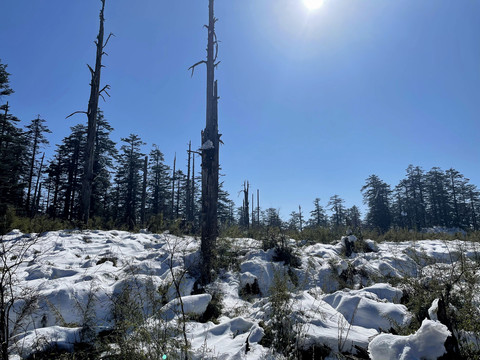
[
  {"x": 192, "y": 305},
  {"x": 427, "y": 343},
  {"x": 77, "y": 275},
  {"x": 365, "y": 309}
]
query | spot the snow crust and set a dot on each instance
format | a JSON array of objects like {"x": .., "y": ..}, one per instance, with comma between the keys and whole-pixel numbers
[{"x": 334, "y": 302}]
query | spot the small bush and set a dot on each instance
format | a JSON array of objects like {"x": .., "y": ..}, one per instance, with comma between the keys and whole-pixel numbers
[
  {"x": 249, "y": 291},
  {"x": 214, "y": 309},
  {"x": 105, "y": 259},
  {"x": 227, "y": 256},
  {"x": 286, "y": 253}
]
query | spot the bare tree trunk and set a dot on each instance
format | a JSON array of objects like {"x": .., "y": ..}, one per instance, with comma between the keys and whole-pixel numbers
[
  {"x": 173, "y": 186},
  {"x": 246, "y": 208},
  {"x": 258, "y": 207},
  {"x": 300, "y": 218},
  {"x": 37, "y": 190},
  {"x": 95, "y": 93},
  {"x": 253, "y": 212},
  {"x": 188, "y": 209},
  {"x": 210, "y": 157},
  {"x": 32, "y": 165},
  {"x": 144, "y": 191},
  {"x": 192, "y": 205}
]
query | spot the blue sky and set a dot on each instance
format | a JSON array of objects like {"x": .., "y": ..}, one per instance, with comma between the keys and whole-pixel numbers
[{"x": 312, "y": 102}]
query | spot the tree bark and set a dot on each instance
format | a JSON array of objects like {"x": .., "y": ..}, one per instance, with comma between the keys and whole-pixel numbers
[
  {"x": 173, "y": 188},
  {"x": 188, "y": 209},
  {"x": 92, "y": 123},
  {"x": 210, "y": 158},
  {"x": 36, "y": 193},
  {"x": 144, "y": 191},
  {"x": 32, "y": 166}
]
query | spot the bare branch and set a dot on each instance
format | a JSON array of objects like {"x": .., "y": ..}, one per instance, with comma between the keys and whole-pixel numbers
[
  {"x": 77, "y": 112},
  {"x": 91, "y": 70},
  {"x": 195, "y": 65},
  {"x": 105, "y": 88},
  {"x": 216, "y": 64},
  {"x": 108, "y": 38}
]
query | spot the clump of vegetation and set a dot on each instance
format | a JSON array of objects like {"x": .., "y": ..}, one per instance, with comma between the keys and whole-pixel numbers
[
  {"x": 249, "y": 291},
  {"x": 283, "y": 251},
  {"x": 112, "y": 259},
  {"x": 455, "y": 286},
  {"x": 280, "y": 332},
  {"x": 214, "y": 308},
  {"x": 227, "y": 255}
]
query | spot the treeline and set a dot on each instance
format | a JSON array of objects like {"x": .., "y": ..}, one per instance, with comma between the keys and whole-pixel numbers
[
  {"x": 421, "y": 200},
  {"x": 132, "y": 188}
]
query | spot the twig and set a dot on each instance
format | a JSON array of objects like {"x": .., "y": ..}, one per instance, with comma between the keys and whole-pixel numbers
[{"x": 195, "y": 65}]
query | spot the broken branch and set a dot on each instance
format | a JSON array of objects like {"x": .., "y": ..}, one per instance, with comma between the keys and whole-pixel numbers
[
  {"x": 195, "y": 65},
  {"x": 77, "y": 112},
  {"x": 108, "y": 38}
]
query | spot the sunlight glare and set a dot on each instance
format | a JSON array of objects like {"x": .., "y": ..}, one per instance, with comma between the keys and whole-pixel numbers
[{"x": 313, "y": 4}]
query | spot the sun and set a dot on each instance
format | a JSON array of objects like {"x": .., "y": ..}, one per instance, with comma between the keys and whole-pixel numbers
[{"x": 313, "y": 4}]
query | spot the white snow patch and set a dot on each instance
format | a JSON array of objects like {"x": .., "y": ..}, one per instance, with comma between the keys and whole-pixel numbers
[
  {"x": 427, "y": 343},
  {"x": 192, "y": 305}
]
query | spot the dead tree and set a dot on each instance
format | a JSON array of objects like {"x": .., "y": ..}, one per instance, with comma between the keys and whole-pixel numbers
[
  {"x": 36, "y": 193},
  {"x": 173, "y": 188},
  {"x": 246, "y": 205},
  {"x": 258, "y": 207},
  {"x": 189, "y": 192},
  {"x": 95, "y": 93},
  {"x": 210, "y": 154},
  {"x": 144, "y": 192}
]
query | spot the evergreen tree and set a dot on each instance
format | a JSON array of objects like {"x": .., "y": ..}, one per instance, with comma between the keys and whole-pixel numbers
[
  {"x": 70, "y": 155},
  {"x": 438, "y": 206},
  {"x": 158, "y": 184},
  {"x": 354, "y": 218},
  {"x": 474, "y": 206},
  {"x": 129, "y": 180},
  {"x": 336, "y": 206},
  {"x": 12, "y": 160},
  {"x": 454, "y": 184},
  {"x": 5, "y": 89},
  {"x": 35, "y": 135},
  {"x": 226, "y": 208},
  {"x": 104, "y": 157},
  {"x": 376, "y": 194},
  {"x": 416, "y": 206},
  {"x": 272, "y": 218},
  {"x": 318, "y": 216}
]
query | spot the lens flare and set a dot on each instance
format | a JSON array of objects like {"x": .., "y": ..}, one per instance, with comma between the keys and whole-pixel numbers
[{"x": 313, "y": 4}]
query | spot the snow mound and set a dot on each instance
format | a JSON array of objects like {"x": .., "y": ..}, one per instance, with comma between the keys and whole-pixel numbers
[
  {"x": 192, "y": 305},
  {"x": 427, "y": 343},
  {"x": 366, "y": 310}
]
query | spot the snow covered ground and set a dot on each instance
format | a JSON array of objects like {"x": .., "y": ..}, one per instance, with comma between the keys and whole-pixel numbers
[{"x": 340, "y": 303}]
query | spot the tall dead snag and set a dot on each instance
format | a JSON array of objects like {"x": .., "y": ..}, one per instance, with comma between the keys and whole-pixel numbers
[
  {"x": 210, "y": 154},
  {"x": 143, "y": 217},
  {"x": 95, "y": 93}
]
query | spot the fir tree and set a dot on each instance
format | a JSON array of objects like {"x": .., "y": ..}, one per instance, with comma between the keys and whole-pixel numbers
[{"x": 376, "y": 194}]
